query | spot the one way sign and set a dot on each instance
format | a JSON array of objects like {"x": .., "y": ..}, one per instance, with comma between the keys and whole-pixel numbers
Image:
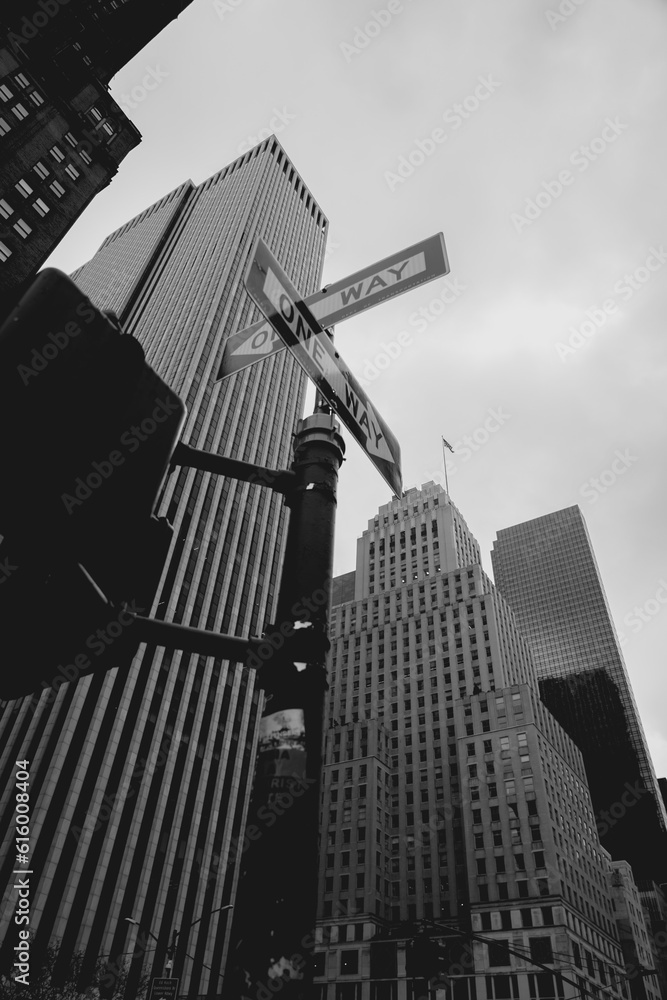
[
  {"x": 292, "y": 320},
  {"x": 422, "y": 262}
]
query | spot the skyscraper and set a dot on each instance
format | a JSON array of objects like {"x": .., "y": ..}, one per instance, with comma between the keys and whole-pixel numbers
[
  {"x": 63, "y": 137},
  {"x": 450, "y": 794},
  {"x": 140, "y": 783},
  {"x": 547, "y": 571}
]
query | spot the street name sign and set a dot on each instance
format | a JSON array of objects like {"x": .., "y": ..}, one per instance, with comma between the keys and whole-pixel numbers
[
  {"x": 294, "y": 323},
  {"x": 164, "y": 989},
  {"x": 394, "y": 275}
]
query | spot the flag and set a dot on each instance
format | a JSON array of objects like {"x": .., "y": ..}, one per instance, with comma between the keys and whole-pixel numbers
[{"x": 448, "y": 445}]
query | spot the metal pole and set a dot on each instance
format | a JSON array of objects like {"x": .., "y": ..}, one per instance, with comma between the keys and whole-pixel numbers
[{"x": 272, "y": 934}]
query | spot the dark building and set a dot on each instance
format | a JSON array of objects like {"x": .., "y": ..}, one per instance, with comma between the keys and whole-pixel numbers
[
  {"x": 62, "y": 136},
  {"x": 140, "y": 782},
  {"x": 451, "y": 796},
  {"x": 546, "y": 570}
]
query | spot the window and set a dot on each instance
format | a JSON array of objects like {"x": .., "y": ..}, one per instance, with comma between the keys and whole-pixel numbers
[
  {"x": 5, "y": 92},
  {"x": 71, "y": 171},
  {"x": 22, "y": 228},
  {"x": 36, "y": 98},
  {"x": 57, "y": 154},
  {"x": 84, "y": 156},
  {"x": 40, "y": 207},
  {"x": 498, "y": 953},
  {"x": 541, "y": 950},
  {"x": 23, "y": 188},
  {"x": 5, "y": 209},
  {"x": 20, "y": 111},
  {"x": 5, "y": 127},
  {"x": 5, "y": 253},
  {"x": 349, "y": 963},
  {"x": 41, "y": 170}
]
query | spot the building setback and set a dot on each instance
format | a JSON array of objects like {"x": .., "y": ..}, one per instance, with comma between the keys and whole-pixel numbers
[
  {"x": 62, "y": 135},
  {"x": 547, "y": 571},
  {"x": 140, "y": 782},
  {"x": 450, "y": 793}
]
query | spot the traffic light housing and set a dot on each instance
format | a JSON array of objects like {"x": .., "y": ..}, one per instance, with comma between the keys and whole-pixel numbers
[
  {"x": 422, "y": 957},
  {"x": 89, "y": 431}
]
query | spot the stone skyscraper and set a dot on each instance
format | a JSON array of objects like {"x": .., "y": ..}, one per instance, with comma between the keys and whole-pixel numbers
[
  {"x": 63, "y": 136},
  {"x": 547, "y": 571},
  {"x": 450, "y": 794},
  {"x": 140, "y": 783}
]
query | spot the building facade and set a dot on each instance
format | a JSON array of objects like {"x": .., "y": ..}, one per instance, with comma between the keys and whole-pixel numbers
[
  {"x": 62, "y": 135},
  {"x": 547, "y": 571},
  {"x": 140, "y": 783},
  {"x": 451, "y": 796}
]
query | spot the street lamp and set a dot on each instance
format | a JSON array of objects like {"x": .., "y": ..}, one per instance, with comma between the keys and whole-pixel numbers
[{"x": 171, "y": 950}]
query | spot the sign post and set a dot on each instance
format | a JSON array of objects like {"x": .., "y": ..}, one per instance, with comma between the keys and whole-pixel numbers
[
  {"x": 276, "y": 902},
  {"x": 275, "y": 912}
]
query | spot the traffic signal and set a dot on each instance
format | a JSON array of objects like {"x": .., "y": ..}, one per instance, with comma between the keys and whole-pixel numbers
[
  {"x": 422, "y": 959},
  {"x": 89, "y": 431}
]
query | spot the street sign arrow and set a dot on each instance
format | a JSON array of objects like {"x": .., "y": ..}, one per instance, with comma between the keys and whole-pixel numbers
[
  {"x": 391, "y": 276},
  {"x": 293, "y": 321}
]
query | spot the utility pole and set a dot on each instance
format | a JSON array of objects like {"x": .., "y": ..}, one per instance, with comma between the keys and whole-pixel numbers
[{"x": 277, "y": 894}]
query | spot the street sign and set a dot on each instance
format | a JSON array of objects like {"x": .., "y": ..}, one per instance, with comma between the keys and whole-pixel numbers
[
  {"x": 275, "y": 295},
  {"x": 394, "y": 275},
  {"x": 164, "y": 989}
]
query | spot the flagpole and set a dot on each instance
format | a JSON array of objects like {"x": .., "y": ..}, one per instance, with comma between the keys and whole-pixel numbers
[{"x": 444, "y": 460}]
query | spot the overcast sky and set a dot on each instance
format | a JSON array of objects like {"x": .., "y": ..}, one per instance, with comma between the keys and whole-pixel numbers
[{"x": 532, "y": 134}]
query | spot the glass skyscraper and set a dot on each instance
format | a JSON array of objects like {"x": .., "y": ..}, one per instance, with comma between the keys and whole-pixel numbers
[
  {"x": 140, "y": 782},
  {"x": 547, "y": 571}
]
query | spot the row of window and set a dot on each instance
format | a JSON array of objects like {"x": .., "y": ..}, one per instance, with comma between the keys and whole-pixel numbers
[{"x": 39, "y": 205}]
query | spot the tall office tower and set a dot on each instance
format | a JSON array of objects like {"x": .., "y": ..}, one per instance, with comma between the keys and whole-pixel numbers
[
  {"x": 546, "y": 570},
  {"x": 634, "y": 928},
  {"x": 140, "y": 783},
  {"x": 654, "y": 901},
  {"x": 63, "y": 136},
  {"x": 450, "y": 794}
]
